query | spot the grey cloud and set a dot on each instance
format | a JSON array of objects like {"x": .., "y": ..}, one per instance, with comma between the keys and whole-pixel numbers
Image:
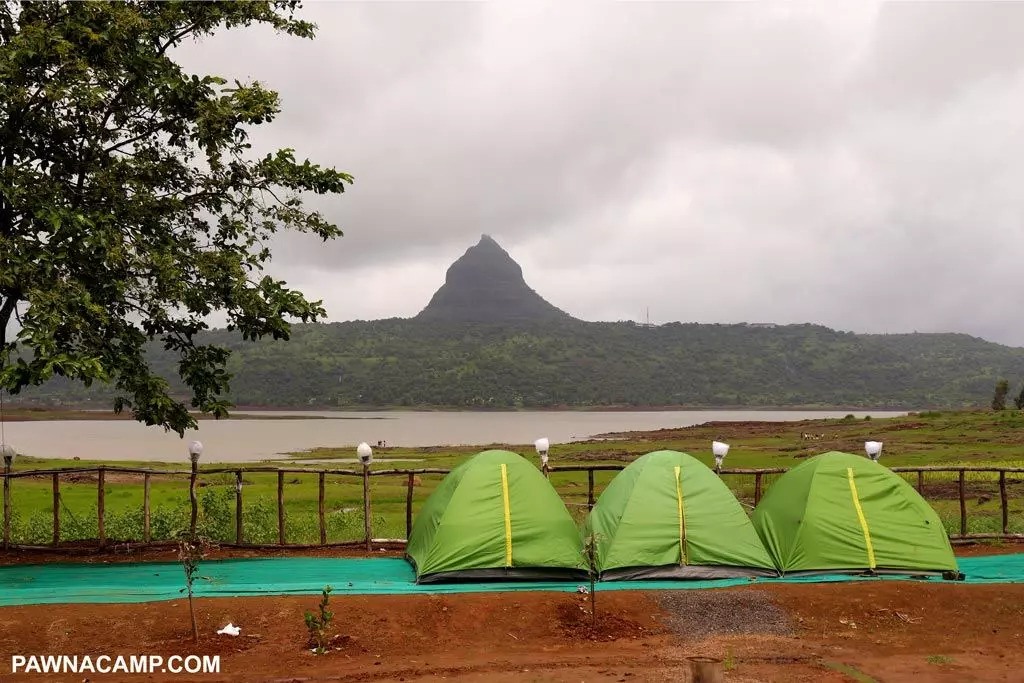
[{"x": 850, "y": 165}]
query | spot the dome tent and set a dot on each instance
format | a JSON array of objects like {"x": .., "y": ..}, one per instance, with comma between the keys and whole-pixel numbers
[
  {"x": 839, "y": 512},
  {"x": 495, "y": 516},
  {"x": 668, "y": 516}
]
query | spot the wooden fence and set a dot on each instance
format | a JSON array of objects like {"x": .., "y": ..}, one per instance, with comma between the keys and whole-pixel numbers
[{"x": 365, "y": 473}]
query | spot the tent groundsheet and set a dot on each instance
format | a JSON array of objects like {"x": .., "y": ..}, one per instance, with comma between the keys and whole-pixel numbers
[{"x": 150, "y": 581}]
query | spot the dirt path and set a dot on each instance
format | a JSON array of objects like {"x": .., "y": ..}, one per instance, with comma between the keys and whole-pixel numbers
[{"x": 887, "y": 631}]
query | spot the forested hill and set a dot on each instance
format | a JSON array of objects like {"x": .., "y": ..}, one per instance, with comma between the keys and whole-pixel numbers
[
  {"x": 488, "y": 340},
  {"x": 569, "y": 363}
]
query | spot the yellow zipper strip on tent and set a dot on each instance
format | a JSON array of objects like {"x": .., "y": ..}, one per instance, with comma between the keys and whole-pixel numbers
[
  {"x": 682, "y": 520},
  {"x": 863, "y": 520},
  {"x": 508, "y": 516}
]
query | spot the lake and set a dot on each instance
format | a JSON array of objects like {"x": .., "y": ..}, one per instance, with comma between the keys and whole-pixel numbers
[{"x": 254, "y": 439}]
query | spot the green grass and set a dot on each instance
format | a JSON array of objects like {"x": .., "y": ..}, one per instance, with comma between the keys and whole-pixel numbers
[
  {"x": 851, "y": 671},
  {"x": 948, "y": 438}
]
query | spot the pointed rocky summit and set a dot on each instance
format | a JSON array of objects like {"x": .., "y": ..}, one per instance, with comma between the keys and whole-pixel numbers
[{"x": 486, "y": 285}]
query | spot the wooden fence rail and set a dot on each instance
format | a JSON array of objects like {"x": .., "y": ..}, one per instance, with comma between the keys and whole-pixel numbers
[{"x": 365, "y": 473}]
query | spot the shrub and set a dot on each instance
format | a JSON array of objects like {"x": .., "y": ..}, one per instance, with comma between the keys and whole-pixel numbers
[{"x": 317, "y": 624}]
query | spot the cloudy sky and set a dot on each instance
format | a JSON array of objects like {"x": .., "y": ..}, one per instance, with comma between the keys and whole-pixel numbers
[{"x": 855, "y": 165}]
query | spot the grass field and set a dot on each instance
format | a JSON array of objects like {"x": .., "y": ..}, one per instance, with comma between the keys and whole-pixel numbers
[{"x": 948, "y": 438}]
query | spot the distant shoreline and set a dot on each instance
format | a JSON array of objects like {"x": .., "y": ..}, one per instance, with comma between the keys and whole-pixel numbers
[{"x": 39, "y": 414}]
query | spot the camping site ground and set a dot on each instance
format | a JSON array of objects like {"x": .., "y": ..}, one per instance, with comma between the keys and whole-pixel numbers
[{"x": 876, "y": 631}]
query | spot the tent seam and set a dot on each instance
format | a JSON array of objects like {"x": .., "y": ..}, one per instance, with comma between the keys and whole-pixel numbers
[
  {"x": 863, "y": 520},
  {"x": 508, "y": 516},
  {"x": 683, "y": 554}
]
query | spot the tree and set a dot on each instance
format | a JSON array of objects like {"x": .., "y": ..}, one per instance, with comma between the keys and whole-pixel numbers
[
  {"x": 131, "y": 204},
  {"x": 999, "y": 399},
  {"x": 1019, "y": 401}
]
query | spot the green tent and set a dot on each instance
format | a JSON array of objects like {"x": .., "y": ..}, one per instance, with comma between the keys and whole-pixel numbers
[
  {"x": 495, "y": 516},
  {"x": 668, "y": 516},
  {"x": 839, "y": 512}
]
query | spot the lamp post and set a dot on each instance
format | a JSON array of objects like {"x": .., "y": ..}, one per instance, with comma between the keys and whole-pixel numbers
[
  {"x": 195, "y": 449},
  {"x": 543, "y": 445},
  {"x": 873, "y": 449},
  {"x": 719, "y": 450},
  {"x": 8, "y": 455},
  {"x": 365, "y": 454}
]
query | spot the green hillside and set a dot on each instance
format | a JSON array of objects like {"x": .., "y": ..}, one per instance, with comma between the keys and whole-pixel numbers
[
  {"x": 488, "y": 340},
  {"x": 570, "y": 363}
]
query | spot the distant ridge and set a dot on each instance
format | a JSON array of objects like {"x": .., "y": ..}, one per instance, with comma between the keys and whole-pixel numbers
[
  {"x": 486, "y": 285},
  {"x": 488, "y": 341}
]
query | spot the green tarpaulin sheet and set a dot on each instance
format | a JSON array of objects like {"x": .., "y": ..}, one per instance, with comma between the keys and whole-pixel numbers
[{"x": 143, "y": 582}]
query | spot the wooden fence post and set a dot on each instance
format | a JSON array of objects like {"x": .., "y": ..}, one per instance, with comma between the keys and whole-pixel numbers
[
  {"x": 320, "y": 510},
  {"x": 280, "y": 507},
  {"x": 590, "y": 489},
  {"x": 408, "y": 505},
  {"x": 1003, "y": 502},
  {"x": 706, "y": 670},
  {"x": 920, "y": 482},
  {"x": 963, "y": 506},
  {"x": 147, "y": 534},
  {"x": 238, "y": 507},
  {"x": 7, "y": 504},
  {"x": 192, "y": 498},
  {"x": 56, "y": 509},
  {"x": 757, "y": 489},
  {"x": 100, "y": 505},
  {"x": 367, "y": 526}
]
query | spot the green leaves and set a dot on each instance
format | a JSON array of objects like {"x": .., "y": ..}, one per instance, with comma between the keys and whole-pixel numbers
[{"x": 131, "y": 207}]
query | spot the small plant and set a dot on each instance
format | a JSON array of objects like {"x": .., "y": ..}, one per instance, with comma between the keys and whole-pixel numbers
[
  {"x": 192, "y": 550},
  {"x": 590, "y": 555},
  {"x": 939, "y": 659},
  {"x": 317, "y": 624},
  {"x": 729, "y": 663},
  {"x": 999, "y": 397}
]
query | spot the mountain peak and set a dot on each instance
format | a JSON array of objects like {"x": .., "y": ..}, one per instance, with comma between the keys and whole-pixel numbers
[{"x": 486, "y": 285}]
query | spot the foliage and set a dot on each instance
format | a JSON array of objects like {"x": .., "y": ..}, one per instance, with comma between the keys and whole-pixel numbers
[
  {"x": 1018, "y": 402},
  {"x": 132, "y": 205},
  {"x": 192, "y": 550},
  {"x": 317, "y": 624},
  {"x": 406, "y": 363},
  {"x": 170, "y": 520},
  {"x": 999, "y": 398}
]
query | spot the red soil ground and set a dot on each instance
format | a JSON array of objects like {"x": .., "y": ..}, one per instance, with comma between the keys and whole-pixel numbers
[{"x": 891, "y": 631}]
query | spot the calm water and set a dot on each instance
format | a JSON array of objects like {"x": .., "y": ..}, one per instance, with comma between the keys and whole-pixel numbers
[{"x": 249, "y": 440}]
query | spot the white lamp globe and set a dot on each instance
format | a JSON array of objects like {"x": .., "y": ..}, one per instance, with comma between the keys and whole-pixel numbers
[
  {"x": 195, "y": 449},
  {"x": 719, "y": 450},
  {"x": 542, "y": 445},
  {"x": 365, "y": 453},
  {"x": 8, "y": 453},
  {"x": 873, "y": 449}
]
